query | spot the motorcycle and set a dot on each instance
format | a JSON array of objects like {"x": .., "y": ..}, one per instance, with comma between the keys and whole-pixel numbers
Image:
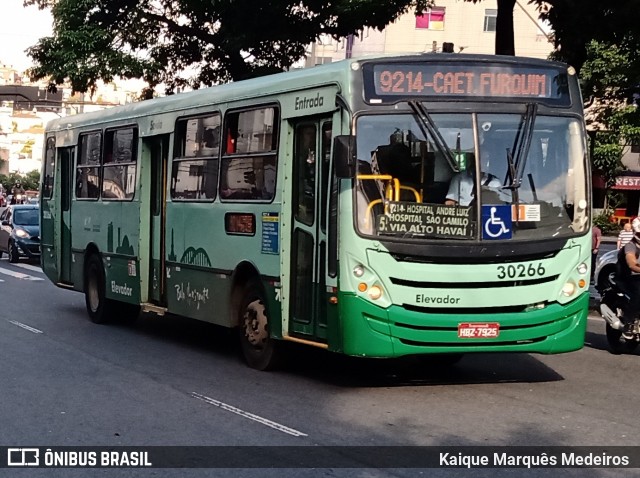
[
  {"x": 17, "y": 199},
  {"x": 613, "y": 302}
]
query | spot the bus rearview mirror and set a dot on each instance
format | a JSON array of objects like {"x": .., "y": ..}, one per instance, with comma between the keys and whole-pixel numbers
[{"x": 344, "y": 156}]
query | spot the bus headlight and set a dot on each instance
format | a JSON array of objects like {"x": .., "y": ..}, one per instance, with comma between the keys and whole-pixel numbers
[
  {"x": 568, "y": 289},
  {"x": 375, "y": 292},
  {"x": 582, "y": 268},
  {"x": 362, "y": 280}
]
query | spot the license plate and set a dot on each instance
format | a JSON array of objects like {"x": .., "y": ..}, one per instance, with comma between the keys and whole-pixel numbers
[{"x": 486, "y": 330}]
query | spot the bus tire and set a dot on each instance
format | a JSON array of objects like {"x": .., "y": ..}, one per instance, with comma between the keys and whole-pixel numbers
[
  {"x": 259, "y": 349},
  {"x": 100, "y": 309}
]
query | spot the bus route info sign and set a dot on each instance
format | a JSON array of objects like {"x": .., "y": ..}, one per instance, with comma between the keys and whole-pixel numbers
[
  {"x": 270, "y": 234},
  {"x": 436, "y": 220}
]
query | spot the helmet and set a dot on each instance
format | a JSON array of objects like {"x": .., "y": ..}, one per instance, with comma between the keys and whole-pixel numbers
[{"x": 635, "y": 226}]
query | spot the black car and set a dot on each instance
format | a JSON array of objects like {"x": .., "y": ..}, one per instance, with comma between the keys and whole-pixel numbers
[{"x": 20, "y": 232}]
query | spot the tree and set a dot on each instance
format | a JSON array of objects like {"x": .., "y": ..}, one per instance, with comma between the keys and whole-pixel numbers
[
  {"x": 29, "y": 181},
  {"x": 192, "y": 43},
  {"x": 505, "y": 44},
  {"x": 576, "y": 23},
  {"x": 610, "y": 76}
]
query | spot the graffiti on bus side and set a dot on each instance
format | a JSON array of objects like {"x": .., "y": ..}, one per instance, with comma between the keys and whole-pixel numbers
[{"x": 191, "y": 296}]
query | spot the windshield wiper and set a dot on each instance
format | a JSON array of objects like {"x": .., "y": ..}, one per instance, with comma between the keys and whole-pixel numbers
[
  {"x": 524, "y": 143},
  {"x": 429, "y": 128},
  {"x": 515, "y": 165}
]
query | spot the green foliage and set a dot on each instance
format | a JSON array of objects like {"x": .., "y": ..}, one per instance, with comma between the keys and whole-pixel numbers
[
  {"x": 577, "y": 22},
  {"x": 609, "y": 77},
  {"x": 29, "y": 181},
  {"x": 192, "y": 43},
  {"x": 606, "y": 158},
  {"x": 603, "y": 221}
]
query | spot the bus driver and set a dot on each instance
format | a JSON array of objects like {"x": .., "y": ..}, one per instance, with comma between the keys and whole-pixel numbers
[{"x": 462, "y": 188}]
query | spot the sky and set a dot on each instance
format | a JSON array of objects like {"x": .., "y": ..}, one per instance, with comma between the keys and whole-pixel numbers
[{"x": 22, "y": 27}]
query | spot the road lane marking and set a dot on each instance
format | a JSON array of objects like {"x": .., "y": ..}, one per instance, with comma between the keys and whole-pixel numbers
[
  {"x": 26, "y": 327},
  {"x": 18, "y": 275},
  {"x": 250, "y": 416},
  {"x": 31, "y": 267}
]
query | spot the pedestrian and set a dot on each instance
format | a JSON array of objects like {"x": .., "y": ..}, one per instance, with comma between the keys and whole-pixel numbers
[
  {"x": 625, "y": 235},
  {"x": 629, "y": 276},
  {"x": 596, "y": 237}
]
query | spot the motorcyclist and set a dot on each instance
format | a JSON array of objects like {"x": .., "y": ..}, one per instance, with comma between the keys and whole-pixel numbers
[
  {"x": 629, "y": 275},
  {"x": 18, "y": 193}
]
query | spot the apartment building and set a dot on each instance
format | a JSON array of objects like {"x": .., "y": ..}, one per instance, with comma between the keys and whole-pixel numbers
[
  {"x": 26, "y": 107},
  {"x": 470, "y": 27}
]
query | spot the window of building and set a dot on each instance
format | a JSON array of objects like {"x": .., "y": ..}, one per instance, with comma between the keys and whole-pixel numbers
[
  {"x": 119, "y": 164},
  {"x": 490, "y": 18},
  {"x": 194, "y": 173},
  {"x": 88, "y": 167},
  {"x": 432, "y": 19},
  {"x": 248, "y": 169}
]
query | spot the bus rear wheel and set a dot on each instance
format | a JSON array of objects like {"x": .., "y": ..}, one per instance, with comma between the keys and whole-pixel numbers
[
  {"x": 259, "y": 349},
  {"x": 99, "y": 308}
]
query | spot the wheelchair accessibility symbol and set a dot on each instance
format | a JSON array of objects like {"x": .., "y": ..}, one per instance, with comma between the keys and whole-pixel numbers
[{"x": 496, "y": 222}]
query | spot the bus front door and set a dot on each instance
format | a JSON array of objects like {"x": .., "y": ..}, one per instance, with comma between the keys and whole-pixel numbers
[
  {"x": 65, "y": 157},
  {"x": 158, "y": 147},
  {"x": 307, "y": 290}
]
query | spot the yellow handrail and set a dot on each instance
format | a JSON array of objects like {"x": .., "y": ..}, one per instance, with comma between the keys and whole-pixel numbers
[
  {"x": 392, "y": 195},
  {"x": 369, "y": 208},
  {"x": 416, "y": 193}
]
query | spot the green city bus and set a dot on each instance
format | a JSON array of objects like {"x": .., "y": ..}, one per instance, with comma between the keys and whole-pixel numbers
[{"x": 380, "y": 207}]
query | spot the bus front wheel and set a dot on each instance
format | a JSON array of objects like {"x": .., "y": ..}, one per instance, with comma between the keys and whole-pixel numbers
[
  {"x": 99, "y": 308},
  {"x": 259, "y": 349}
]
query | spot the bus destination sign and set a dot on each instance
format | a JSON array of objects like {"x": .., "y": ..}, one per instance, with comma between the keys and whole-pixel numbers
[
  {"x": 429, "y": 220},
  {"x": 464, "y": 80}
]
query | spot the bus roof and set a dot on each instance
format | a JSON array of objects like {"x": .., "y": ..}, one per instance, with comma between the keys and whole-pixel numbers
[{"x": 300, "y": 79}]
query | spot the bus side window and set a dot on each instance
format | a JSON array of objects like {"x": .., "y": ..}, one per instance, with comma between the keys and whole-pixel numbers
[
  {"x": 249, "y": 161},
  {"x": 119, "y": 164},
  {"x": 49, "y": 168},
  {"x": 194, "y": 170},
  {"x": 305, "y": 173},
  {"x": 88, "y": 168}
]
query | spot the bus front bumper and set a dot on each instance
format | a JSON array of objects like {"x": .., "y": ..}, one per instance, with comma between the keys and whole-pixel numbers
[{"x": 371, "y": 331}]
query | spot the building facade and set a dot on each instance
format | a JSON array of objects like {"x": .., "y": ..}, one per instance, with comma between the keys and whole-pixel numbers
[
  {"x": 469, "y": 26},
  {"x": 26, "y": 107}
]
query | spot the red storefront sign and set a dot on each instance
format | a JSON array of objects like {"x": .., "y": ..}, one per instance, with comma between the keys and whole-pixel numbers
[{"x": 627, "y": 182}]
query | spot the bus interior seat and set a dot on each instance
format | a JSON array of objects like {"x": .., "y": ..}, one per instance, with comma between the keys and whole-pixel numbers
[
  {"x": 435, "y": 192},
  {"x": 395, "y": 160},
  {"x": 369, "y": 187}
]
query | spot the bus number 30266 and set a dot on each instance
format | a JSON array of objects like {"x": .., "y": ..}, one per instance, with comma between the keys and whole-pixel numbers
[{"x": 520, "y": 271}]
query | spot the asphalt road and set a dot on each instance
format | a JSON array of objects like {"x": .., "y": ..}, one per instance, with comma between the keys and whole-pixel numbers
[{"x": 167, "y": 381}]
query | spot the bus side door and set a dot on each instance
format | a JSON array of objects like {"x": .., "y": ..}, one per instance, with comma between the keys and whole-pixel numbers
[
  {"x": 307, "y": 291},
  {"x": 65, "y": 157},
  {"x": 158, "y": 150}
]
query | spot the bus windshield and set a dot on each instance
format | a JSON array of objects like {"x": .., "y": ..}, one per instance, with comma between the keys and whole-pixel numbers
[{"x": 498, "y": 176}]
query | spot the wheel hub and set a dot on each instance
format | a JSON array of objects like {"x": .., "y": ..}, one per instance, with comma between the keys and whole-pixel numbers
[{"x": 255, "y": 323}]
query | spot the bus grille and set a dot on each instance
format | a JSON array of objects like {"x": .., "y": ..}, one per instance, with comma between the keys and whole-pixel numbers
[{"x": 471, "y": 285}]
